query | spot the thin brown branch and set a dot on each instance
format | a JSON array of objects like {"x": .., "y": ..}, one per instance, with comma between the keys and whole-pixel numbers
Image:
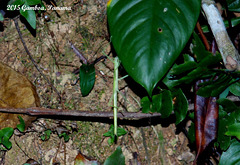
[
  {"x": 78, "y": 53},
  {"x": 32, "y": 59},
  {"x": 36, "y": 111},
  {"x": 203, "y": 36}
]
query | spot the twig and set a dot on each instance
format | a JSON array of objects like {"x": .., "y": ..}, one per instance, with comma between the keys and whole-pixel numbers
[
  {"x": 205, "y": 41},
  {"x": 81, "y": 56},
  {"x": 77, "y": 52},
  {"x": 32, "y": 59},
  {"x": 36, "y": 111},
  {"x": 230, "y": 55}
]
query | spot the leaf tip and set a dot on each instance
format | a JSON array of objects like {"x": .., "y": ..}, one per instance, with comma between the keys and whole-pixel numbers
[{"x": 109, "y": 2}]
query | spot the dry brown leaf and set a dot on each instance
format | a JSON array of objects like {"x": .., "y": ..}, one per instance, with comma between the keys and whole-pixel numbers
[{"x": 16, "y": 91}]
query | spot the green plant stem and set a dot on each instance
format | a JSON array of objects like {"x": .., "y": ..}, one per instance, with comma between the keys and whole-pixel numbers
[{"x": 115, "y": 90}]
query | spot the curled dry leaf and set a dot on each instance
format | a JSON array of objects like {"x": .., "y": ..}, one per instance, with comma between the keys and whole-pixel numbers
[
  {"x": 16, "y": 91},
  {"x": 83, "y": 160}
]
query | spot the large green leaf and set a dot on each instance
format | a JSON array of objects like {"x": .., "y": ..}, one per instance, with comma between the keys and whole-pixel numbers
[{"x": 148, "y": 35}]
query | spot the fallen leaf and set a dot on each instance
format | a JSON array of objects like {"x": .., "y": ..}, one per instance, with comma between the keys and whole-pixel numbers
[
  {"x": 83, "y": 160},
  {"x": 205, "y": 120},
  {"x": 16, "y": 92}
]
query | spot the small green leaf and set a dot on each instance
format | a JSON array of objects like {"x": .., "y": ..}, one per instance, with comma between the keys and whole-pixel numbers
[
  {"x": 214, "y": 87},
  {"x": 233, "y": 5},
  {"x": 121, "y": 131},
  {"x": 111, "y": 140},
  {"x": 21, "y": 126},
  {"x": 110, "y": 133},
  {"x": 161, "y": 103},
  {"x": 234, "y": 130},
  {"x": 180, "y": 106},
  {"x": 191, "y": 133},
  {"x": 65, "y": 136},
  {"x": 224, "y": 93},
  {"x": 193, "y": 75},
  {"x": 223, "y": 140},
  {"x": 228, "y": 105},
  {"x": 146, "y": 105},
  {"x": 183, "y": 68},
  {"x": 156, "y": 103},
  {"x": 235, "y": 88},
  {"x": 187, "y": 58},
  {"x": 210, "y": 60},
  {"x": 231, "y": 156},
  {"x": 87, "y": 78},
  {"x": 5, "y": 135},
  {"x": 29, "y": 15},
  {"x": 117, "y": 158},
  {"x": 46, "y": 135},
  {"x": 1, "y": 17},
  {"x": 167, "y": 106},
  {"x": 199, "y": 49}
]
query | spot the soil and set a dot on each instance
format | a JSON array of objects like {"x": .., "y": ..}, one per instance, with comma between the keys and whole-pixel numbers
[{"x": 85, "y": 25}]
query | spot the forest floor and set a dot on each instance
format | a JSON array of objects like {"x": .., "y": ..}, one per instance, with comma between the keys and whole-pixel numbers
[{"x": 85, "y": 25}]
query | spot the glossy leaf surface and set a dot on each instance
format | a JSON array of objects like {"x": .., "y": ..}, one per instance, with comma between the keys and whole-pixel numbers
[
  {"x": 87, "y": 78},
  {"x": 148, "y": 36}
]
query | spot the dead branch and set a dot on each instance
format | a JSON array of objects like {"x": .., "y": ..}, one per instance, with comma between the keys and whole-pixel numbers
[
  {"x": 230, "y": 55},
  {"x": 36, "y": 111}
]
